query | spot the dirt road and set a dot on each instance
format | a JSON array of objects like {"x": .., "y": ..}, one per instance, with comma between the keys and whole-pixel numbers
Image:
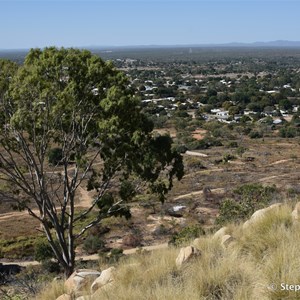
[{"x": 92, "y": 257}]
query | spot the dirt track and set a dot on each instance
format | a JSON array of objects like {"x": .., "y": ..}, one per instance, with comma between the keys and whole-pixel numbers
[
  {"x": 92, "y": 257},
  {"x": 86, "y": 198}
]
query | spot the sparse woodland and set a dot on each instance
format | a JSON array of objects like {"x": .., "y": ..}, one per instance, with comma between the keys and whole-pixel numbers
[{"x": 104, "y": 160}]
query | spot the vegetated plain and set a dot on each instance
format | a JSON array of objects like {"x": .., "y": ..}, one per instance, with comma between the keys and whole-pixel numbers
[{"x": 238, "y": 107}]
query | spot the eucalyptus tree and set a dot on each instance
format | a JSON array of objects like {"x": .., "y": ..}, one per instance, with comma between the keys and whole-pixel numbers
[
  {"x": 71, "y": 100},
  {"x": 7, "y": 70}
]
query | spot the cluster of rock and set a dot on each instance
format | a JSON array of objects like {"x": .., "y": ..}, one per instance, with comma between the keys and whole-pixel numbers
[
  {"x": 88, "y": 284},
  {"x": 186, "y": 254}
]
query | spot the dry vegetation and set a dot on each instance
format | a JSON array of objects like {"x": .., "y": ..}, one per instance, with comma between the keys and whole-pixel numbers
[
  {"x": 274, "y": 161},
  {"x": 261, "y": 258},
  {"x": 263, "y": 254}
]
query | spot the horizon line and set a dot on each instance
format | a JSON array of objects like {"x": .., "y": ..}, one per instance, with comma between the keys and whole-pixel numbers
[{"x": 213, "y": 44}]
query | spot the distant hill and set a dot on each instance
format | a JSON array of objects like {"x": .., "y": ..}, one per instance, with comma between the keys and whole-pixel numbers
[
  {"x": 110, "y": 52},
  {"x": 278, "y": 43},
  {"x": 275, "y": 44}
]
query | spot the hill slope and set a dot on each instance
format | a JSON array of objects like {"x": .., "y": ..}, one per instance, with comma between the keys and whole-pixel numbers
[{"x": 261, "y": 262}]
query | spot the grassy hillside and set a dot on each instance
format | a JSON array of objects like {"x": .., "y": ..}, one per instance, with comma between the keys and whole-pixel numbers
[{"x": 258, "y": 264}]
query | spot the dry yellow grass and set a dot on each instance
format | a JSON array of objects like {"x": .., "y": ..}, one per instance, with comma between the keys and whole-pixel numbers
[
  {"x": 52, "y": 291},
  {"x": 254, "y": 266}
]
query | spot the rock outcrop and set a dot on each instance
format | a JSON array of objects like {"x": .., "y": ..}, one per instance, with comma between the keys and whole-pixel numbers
[
  {"x": 220, "y": 233},
  {"x": 80, "y": 280},
  {"x": 186, "y": 254},
  {"x": 259, "y": 214},
  {"x": 226, "y": 240},
  {"x": 91, "y": 284},
  {"x": 296, "y": 212},
  {"x": 106, "y": 277},
  {"x": 64, "y": 297}
]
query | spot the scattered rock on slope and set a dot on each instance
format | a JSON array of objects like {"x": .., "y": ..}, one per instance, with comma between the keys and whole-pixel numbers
[
  {"x": 80, "y": 280},
  {"x": 186, "y": 254}
]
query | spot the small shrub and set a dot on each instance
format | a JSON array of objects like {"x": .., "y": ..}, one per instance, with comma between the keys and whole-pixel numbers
[
  {"x": 287, "y": 132},
  {"x": 227, "y": 157},
  {"x": 246, "y": 130},
  {"x": 205, "y": 143},
  {"x": 241, "y": 150},
  {"x": 131, "y": 240},
  {"x": 181, "y": 148},
  {"x": 55, "y": 156},
  {"x": 186, "y": 234},
  {"x": 195, "y": 163},
  {"x": 231, "y": 211},
  {"x": 43, "y": 250},
  {"x": 93, "y": 244},
  {"x": 255, "y": 134},
  {"x": 51, "y": 266},
  {"x": 232, "y": 144},
  {"x": 160, "y": 230},
  {"x": 246, "y": 200},
  {"x": 114, "y": 256}
]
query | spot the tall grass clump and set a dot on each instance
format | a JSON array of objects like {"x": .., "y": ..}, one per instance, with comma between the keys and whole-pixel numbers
[
  {"x": 261, "y": 238},
  {"x": 52, "y": 291}
]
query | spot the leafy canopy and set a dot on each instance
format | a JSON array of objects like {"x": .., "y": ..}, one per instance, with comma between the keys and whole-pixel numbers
[{"x": 73, "y": 101}]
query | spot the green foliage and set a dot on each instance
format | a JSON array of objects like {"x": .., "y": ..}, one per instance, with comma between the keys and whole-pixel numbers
[
  {"x": 93, "y": 244},
  {"x": 186, "y": 234},
  {"x": 194, "y": 163},
  {"x": 288, "y": 132},
  {"x": 113, "y": 257},
  {"x": 205, "y": 143},
  {"x": 227, "y": 157},
  {"x": 254, "y": 134},
  {"x": 43, "y": 250},
  {"x": 44, "y": 254},
  {"x": 51, "y": 266},
  {"x": 232, "y": 144},
  {"x": 18, "y": 247},
  {"x": 7, "y": 70},
  {"x": 108, "y": 207},
  {"x": 127, "y": 191},
  {"x": 232, "y": 211},
  {"x": 85, "y": 107},
  {"x": 180, "y": 148},
  {"x": 256, "y": 192},
  {"x": 245, "y": 201},
  {"x": 55, "y": 156},
  {"x": 241, "y": 150}
]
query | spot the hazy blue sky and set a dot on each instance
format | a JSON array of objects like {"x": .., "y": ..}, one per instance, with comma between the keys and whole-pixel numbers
[{"x": 67, "y": 23}]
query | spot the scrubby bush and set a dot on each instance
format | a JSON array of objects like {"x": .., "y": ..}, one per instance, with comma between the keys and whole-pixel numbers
[
  {"x": 232, "y": 144},
  {"x": 180, "y": 148},
  {"x": 227, "y": 157},
  {"x": 110, "y": 258},
  {"x": 55, "y": 156},
  {"x": 195, "y": 163},
  {"x": 264, "y": 253},
  {"x": 51, "y": 266},
  {"x": 205, "y": 143},
  {"x": 44, "y": 254},
  {"x": 255, "y": 134},
  {"x": 245, "y": 200},
  {"x": 93, "y": 244},
  {"x": 241, "y": 150},
  {"x": 288, "y": 132},
  {"x": 186, "y": 234},
  {"x": 43, "y": 250},
  {"x": 231, "y": 211}
]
